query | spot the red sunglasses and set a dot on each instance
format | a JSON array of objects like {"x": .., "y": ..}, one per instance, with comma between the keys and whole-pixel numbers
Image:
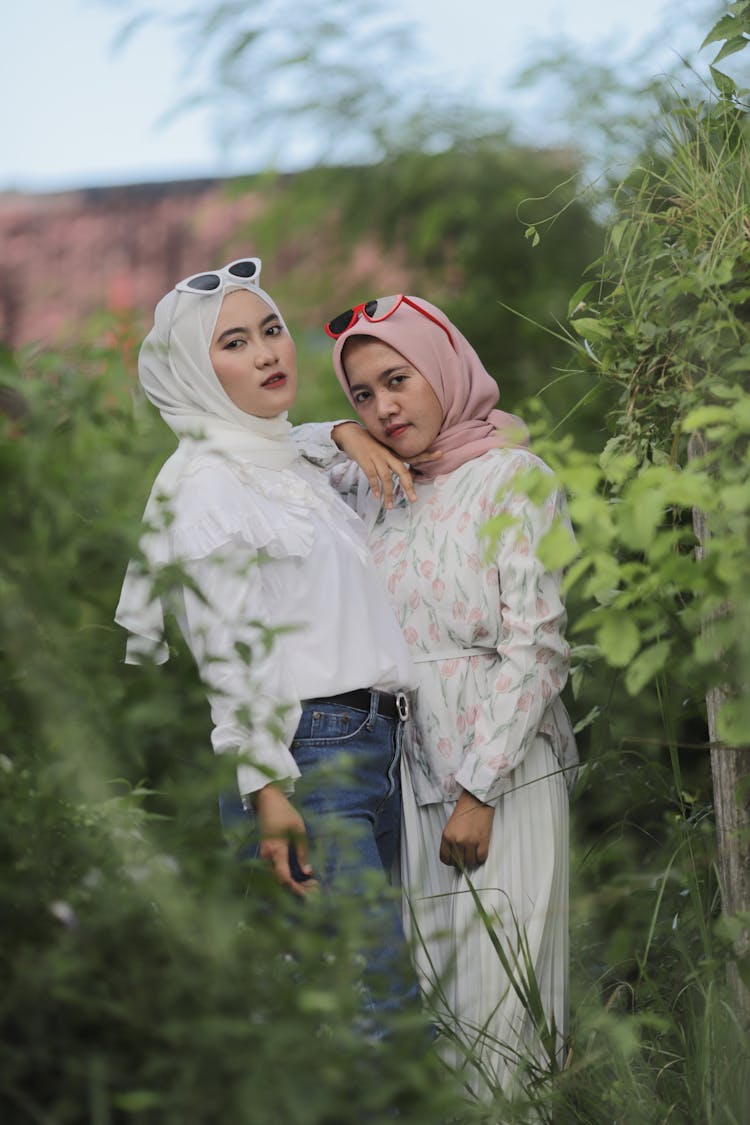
[{"x": 376, "y": 310}]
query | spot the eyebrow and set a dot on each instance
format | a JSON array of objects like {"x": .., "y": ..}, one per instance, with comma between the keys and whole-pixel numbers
[
  {"x": 378, "y": 378},
  {"x": 243, "y": 327}
]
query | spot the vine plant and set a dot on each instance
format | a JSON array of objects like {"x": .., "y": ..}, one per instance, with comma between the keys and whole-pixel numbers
[{"x": 662, "y": 514}]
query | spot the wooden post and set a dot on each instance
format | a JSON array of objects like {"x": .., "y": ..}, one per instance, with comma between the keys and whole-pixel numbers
[{"x": 730, "y": 774}]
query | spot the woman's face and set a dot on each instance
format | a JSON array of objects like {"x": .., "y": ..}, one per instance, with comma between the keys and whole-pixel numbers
[
  {"x": 394, "y": 400},
  {"x": 253, "y": 355}
]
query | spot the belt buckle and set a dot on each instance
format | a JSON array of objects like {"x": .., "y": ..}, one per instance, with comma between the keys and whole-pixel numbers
[{"x": 403, "y": 709}]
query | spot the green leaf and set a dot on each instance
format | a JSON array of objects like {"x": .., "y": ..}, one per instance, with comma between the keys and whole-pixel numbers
[
  {"x": 604, "y": 582},
  {"x": 617, "y": 466},
  {"x": 724, "y": 84},
  {"x": 733, "y": 721},
  {"x": 706, "y": 416},
  {"x": 586, "y": 326},
  {"x": 732, "y": 928},
  {"x": 587, "y": 720},
  {"x": 722, "y": 272},
  {"x": 593, "y": 519},
  {"x": 694, "y": 490},
  {"x": 739, "y": 363},
  {"x": 494, "y": 528},
  {"x": 725, "y": 28},
  {"x": 316, "y": 1000},
  {"x": 741, "y": 415},
  {"x": 639, "y": 516},
  {"x": 618, "y": 230},
  {"x": 735, "y": 498},
  {"x": 244, "y": 652},
  {"x": 585, "y": 652},
  {"x": 579, "y": 297},
  {"x": 557, "y": 547},
  {"x": 535, "y": 484},
  {"x": 577, "y": 681},
  {"x": 735, "y": 391},
  {"x": 582, "y": 479},
  {"x": 576, "y": 572},
  {"x": 645, "y": 666},
  {"x": 618, "y": 638},
  {"x": 736, "y": 43}
]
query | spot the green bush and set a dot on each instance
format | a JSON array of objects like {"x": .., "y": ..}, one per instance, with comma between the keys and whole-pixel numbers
[{"x": 148, "y": 974}]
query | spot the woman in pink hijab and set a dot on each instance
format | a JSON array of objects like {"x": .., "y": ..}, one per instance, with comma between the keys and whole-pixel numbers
[{"x": 485, "y": 804}]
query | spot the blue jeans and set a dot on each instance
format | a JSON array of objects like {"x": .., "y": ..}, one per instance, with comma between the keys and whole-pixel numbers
[{"x": 349, "y": 796}]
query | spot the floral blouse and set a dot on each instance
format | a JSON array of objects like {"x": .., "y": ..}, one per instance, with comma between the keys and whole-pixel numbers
[{"x": 486, "y": 633}]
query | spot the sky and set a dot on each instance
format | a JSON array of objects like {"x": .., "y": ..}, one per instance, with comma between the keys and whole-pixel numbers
[{"x": 79, "y": 112}]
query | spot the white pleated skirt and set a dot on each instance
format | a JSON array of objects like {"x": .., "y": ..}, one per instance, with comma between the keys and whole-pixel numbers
[{"x": 492, "y": 946}]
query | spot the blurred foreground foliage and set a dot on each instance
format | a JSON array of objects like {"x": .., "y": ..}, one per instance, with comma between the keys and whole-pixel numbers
[
  {"x": 148, "y": 975},
  {"x": 657, "y": 592}
]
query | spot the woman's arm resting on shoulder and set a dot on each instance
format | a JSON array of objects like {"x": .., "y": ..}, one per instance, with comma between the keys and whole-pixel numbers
[
  {"x": 281, "y": 825},
  {"x": 377, "y": 462},
  {"x": 465, "y": 842}
]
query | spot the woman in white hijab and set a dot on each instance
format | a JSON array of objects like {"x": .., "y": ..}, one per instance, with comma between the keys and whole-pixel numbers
[{"x": 278, "y": 599}]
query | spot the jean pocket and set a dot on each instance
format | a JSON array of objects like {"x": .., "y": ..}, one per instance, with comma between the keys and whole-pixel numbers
[{"x": 332, "y": 725}]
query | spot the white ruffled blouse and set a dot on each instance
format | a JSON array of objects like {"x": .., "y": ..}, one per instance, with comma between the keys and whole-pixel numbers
[{"x": 282, "y": 602}]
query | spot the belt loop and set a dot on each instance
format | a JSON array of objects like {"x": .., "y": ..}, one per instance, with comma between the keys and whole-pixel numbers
[{"x": 374, "y": 700}]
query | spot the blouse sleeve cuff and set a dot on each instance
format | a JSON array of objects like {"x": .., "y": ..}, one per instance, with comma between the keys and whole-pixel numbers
[
  {"x": 483, "y": 782},
  {"x": 258, "y": 763},
  {"x": 315, "y": 443},
  {"x": 250, "y": 779}
]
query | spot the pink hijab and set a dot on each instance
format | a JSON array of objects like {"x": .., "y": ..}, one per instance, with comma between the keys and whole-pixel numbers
[{"x": 465, "y": 389}]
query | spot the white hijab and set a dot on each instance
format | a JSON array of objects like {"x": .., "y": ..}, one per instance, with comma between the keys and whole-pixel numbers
[
  {"x": 177, "y": 375},
  {"x": 175, "y": 371}
]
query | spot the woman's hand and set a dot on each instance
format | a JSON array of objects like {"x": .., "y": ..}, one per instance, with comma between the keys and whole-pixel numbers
[
  {"x": 377, "y": 462},
  {"x": 281, "y": 825},
  {"x": 465, "y": 842}
]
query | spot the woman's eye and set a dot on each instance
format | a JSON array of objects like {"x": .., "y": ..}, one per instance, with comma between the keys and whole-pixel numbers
[
  {"x": 274, "y": 330},
  {"x": 232, "y": 345},
  {"x": 396, "y": 380},
  {"x": 361, "y": 396}
]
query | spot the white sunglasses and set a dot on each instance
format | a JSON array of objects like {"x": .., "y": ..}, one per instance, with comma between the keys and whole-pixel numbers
[{"x": 244, "y": 269}]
